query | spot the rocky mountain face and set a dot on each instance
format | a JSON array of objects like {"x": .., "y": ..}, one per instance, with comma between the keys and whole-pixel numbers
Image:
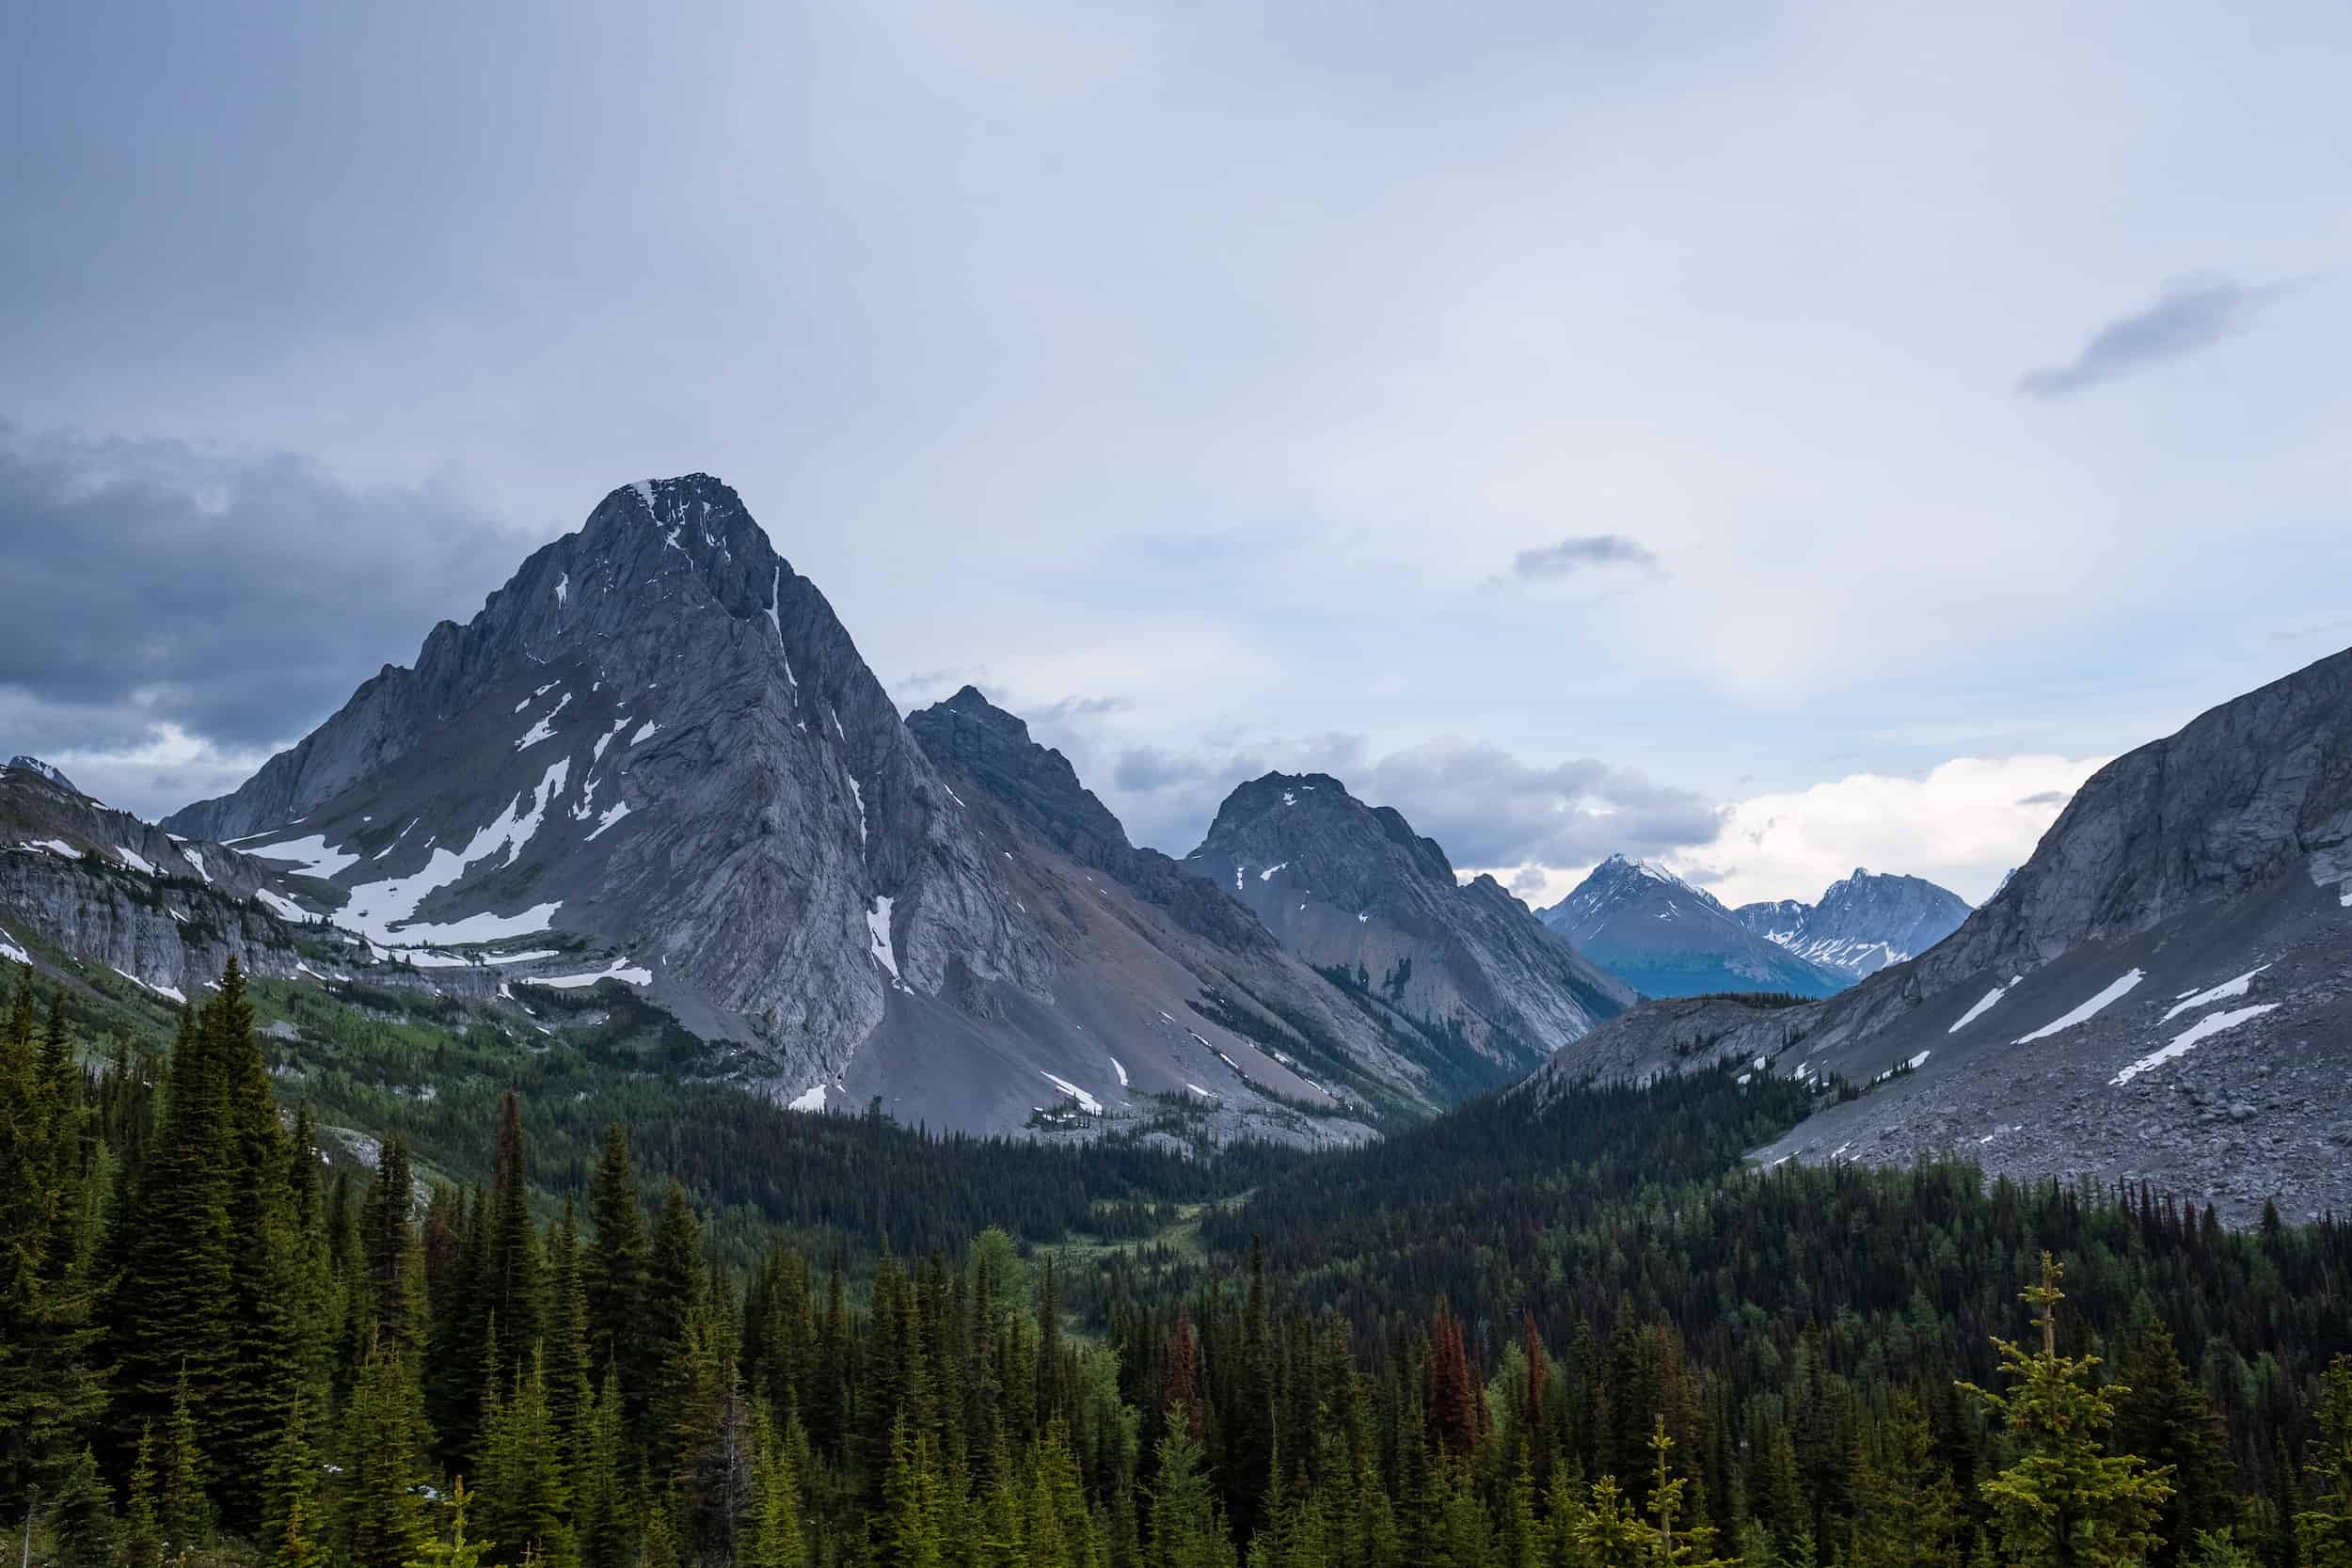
[
  {"x": 656, "y": 751},
  {"x": 2163, "y": 993},
  {"x": 1230, "y": 1011},
  {"x": 1375, "y": 907},
  {"x": 100, "y": 887},
  {"x": 1863, "y": 922},
  {"x": 655, "y": 761},
  {"x": 1665, "y": 937}
]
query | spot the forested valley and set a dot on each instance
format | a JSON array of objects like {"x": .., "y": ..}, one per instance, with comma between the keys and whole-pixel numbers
[{"x": 1577, "y": 1333}]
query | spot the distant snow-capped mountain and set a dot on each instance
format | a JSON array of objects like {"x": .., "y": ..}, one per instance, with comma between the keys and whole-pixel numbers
[
  {"x": 1863, "y": 922},
  {"x": 1663, "y": 937}
]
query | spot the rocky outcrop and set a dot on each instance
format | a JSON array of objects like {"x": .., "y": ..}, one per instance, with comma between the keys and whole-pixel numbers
[
  {"x": 1665, "y": 937},
  {"x": 1863, "y": 922},
  {"x": 1352, "y": 889}
]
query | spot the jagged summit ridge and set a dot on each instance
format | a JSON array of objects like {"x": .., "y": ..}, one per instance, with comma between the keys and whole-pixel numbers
[
  {"x": 41, "y": 769},
  {"x": 1352, "y": 889}
]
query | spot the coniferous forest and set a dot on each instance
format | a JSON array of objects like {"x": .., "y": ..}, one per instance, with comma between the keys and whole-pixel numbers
[{"x": 1579, "y": 1332}]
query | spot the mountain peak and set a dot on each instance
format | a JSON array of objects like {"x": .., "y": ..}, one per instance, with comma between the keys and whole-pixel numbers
[
  {"x": 1352, "y": 889},
  {"x": 1863, "y": 923},
  {"x": 41, "y": 769},
  {"x": 1667, "y": 938}
]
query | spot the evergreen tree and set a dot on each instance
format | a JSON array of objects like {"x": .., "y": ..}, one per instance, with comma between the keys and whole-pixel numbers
[
  {"x": 51, "y": 1393},
  {"x": 393, "y": 1315},
  {"x": 142, "y": 1536},
  {"x": 2324, "y": 1534},
  {"x": 525, "y": 1497},
  {"x": 614, "y": 1280},
  {"x": 289, "y": 1512},
  {"x": 2065, "y": 1503},
  {"x": 774, "y": 1539},
  {"x": 1909, "y": 1511},
  {"x": 184, "y": 1510},
  {"x": 382, "y": 1524},
  {"x": 1186, "y": 1530},
  {"x": 172, "y": 1299},
  {"x": 264, "y": 1368},
  {"x": 454, "y": 1550},
  {"x": 511, "y": 1282},
  {"x": 2162, "y": 1416}
]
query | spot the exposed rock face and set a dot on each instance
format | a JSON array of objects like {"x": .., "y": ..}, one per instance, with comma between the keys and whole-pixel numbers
[
  {"x": 2179, "y": 946},
  {"x": 973, "y": 738},
  {"x": 1355, "y": 891},
  {"x": 1234, "y": 1012},
  {"x": 660, "y": 740},
  {"x": 106, "y": 888},
  {"x": 1863, "y": 922},
  {"x": 1665, "y": 938}
]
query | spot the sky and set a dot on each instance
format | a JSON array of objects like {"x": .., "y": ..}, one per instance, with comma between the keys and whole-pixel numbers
[{"x": 1768, "y": 439}]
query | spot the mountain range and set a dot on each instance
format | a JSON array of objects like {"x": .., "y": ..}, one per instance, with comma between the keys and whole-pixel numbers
[
  {"x": 654, "y": 780},
  {"x": 2159, "y": 993},
  {"x": 1863, "y": 922},
  {"x": 655, "y": 768}
]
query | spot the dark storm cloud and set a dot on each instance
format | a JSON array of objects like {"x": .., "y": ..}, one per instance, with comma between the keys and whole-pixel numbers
[
  {"x": 1581, "y": 554},
  {"x": 238, "y": 598},
  {"x": 2187, "y": 319}
]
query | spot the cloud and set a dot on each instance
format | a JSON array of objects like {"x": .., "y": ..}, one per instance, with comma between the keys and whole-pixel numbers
[
  {"x": 1963, "y": 824},
  {"x": 1484, "y": 805},
  {"x": 1579, "y": 554},
  {"x": 1489, "y": 808},
  {"x": 170, "y": 613},
  {"x": 1141, "y": 770},
  {"x": 2186, "y": 318},
  {"x": 1070, "y": 710}
]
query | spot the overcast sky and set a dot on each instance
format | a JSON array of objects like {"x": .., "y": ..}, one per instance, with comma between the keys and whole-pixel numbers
[{"x": 1768, "y": 437}]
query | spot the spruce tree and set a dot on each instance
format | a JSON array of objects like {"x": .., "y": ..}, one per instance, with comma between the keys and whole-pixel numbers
[
  {"x": 2065, "y": 1503},
  {"x": 173, "y": 1296},
  {"x": 266, "y": 1367},
  {"x": 1908, "y": 1513},
  {"x": 141, "y": 1541},
  {"x": 394, "y": 1317},
  {"x": 511, "y": 1284},
  {"x": 454, "y": 1550},
  {"x": 2324, "y": 1534},
  {"x": 613, "y": 1275},
  {"x": 2162, "y": 1416},
  {"x": 382, "y": 1523},
  {"x": 774, "y": 1539}
]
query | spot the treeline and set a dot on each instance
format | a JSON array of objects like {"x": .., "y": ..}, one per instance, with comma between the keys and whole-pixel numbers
[
  {"x": 209, "y": 1355},
  {"x": 753, "y": 1168}
]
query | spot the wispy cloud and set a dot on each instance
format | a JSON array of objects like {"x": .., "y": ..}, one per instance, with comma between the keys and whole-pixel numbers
[
  {"x": 2188, "y": 318},
  {"x": 1585, "y": 552}
]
